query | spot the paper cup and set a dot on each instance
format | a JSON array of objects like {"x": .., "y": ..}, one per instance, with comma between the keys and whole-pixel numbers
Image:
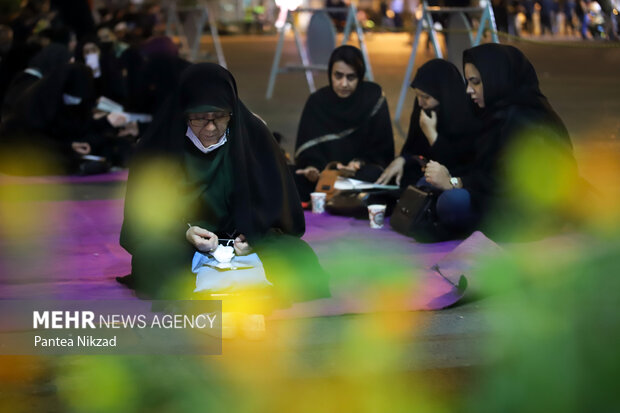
[
  {"x": 318, "y": 202},
  {"x": 376, "y": 214}
]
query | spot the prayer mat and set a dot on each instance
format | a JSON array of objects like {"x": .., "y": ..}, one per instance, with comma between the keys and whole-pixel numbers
[{"x": 69, "y": 250}]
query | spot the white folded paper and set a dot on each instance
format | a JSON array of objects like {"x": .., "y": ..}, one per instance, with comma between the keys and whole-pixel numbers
[{"x": 347, "y": 184}]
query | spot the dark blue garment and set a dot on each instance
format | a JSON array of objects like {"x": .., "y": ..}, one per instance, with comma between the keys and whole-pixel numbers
[{"x": 454, "y": 209}]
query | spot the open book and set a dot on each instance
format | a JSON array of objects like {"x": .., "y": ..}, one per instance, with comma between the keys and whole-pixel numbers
[{"x": 105, "y": 104}]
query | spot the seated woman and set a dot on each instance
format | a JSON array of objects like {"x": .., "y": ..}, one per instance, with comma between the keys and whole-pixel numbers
[
  {"x": 209, "y": 162},
  {"x": 50, "y": 126},
  {"x": 517, "y": 119},
  {"x": 347, "y": 122},
  {"x": 106, "y": 67},
  {"x": 442, "y": 127}
]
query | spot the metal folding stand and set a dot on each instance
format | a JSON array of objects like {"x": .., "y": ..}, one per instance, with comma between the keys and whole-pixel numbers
[
  {"x": 306, "y": 65},
  {"x": 488, "y": 18},
  {"x": 190, "y": 29}
]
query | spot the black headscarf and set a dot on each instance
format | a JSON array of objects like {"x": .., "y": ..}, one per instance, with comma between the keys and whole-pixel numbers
[
  {"x": 509, "y": 79},
  {"x": 264, "y": 193},
  {"x": 364, "y": 113},
  {"x": 456, "y": 123},
  {"x": 442, "y": 80},
  {"x": 514, "y": 109},
  {"x": 507, "y": 75},
  {"x": 350, "y": 55}
]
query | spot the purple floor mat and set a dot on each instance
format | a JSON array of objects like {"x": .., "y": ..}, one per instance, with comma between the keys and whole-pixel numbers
[{"x": 69, "y": 250}]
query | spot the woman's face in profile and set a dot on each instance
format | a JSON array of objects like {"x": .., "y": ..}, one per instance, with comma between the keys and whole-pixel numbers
[
  {"x": 474, "y": 84},
  {"x": 344, "y": 79},
  {"x": 425, "y": 100},
  {"x": 208, "y": 126}
]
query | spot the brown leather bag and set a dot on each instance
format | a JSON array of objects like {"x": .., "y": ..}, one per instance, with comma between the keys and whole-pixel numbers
[
  {"x": 327, "y": 182},
  {"x": 328, "y": 177}
]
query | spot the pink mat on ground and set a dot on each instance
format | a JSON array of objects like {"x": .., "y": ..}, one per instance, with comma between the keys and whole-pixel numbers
[{"x": 72, "y": 252}]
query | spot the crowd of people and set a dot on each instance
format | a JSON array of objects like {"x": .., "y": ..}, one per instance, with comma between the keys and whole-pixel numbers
[
  {"x": 590, "y": 19},
  {"x": 72, "y": 85},
  {"x": 224, "y": 170}
]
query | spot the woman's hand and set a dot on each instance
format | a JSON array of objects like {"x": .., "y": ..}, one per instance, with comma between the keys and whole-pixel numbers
[
  {"x": 352, "y": 167},
  {"x": 394, "y": 169},
  {"x": 311, "y": 173},
  {"x": 131, "y": 129},
  {"x": 117, "y": 119},
  {"x": 201, "y": 239},
  {"x": 437, "y": 175},
  {"x": 428, "y": 124},
  {"x": 241, "y": 245},
  {"x": 81, "y": 148}
]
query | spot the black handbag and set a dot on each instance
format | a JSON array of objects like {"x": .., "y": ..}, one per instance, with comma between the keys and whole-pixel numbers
[{"x": 415, "y": 208}]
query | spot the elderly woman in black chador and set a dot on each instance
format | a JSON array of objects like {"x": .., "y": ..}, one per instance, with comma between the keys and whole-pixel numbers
[
  {"x": 347, "y": 122},
  {"x": 221, "y": 168},
  {"x": 50, "y": 127},
  {"x": 442, "y": 126},
  {"x": 516, "y": 117}
]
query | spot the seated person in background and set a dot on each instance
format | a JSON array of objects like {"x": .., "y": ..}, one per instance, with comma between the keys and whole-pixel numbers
[
  {"x": 50, "y": 126},
  {"x": 347, "y": 122},
  {"x": 106, "y": 67},
  {"x": 108, "y": 41},
  {"x": 524, "y": 147},
  {"x": 442, "y": 127},
  {"x": 209, "y": 162}
]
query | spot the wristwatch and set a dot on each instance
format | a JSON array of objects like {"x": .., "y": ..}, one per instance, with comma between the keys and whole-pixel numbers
[{"x": 454, "y": 182}]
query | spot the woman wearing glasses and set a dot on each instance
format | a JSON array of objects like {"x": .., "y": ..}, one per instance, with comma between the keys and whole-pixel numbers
[{"x": 209, "y": 163}]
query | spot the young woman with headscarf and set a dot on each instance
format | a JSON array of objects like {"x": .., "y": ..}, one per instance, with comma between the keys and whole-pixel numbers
[
  {"x": 210, "y": 163},
  {"x": 524, "y": 143},
  {"x": 442, "y": 130},
  {"x": 347, "y": 122},
  {"x": 442, "y": 126}
]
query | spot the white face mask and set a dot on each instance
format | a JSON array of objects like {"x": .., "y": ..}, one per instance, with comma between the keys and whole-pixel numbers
[
  {"x": 71, "y": 100},
  {"x": 92, "y": 61}
]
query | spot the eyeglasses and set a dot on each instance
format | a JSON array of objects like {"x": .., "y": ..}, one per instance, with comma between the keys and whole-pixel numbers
[{"x": 220, "y": 121}]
